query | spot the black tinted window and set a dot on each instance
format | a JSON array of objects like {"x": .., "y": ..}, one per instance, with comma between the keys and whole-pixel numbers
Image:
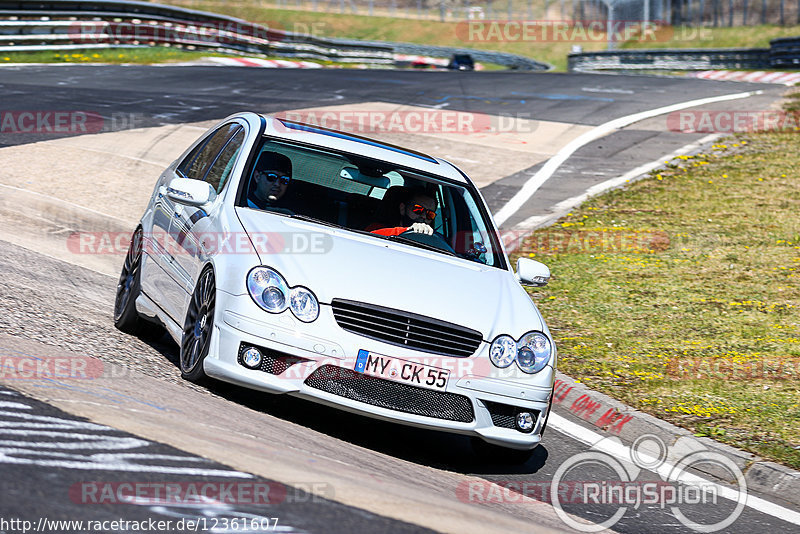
[
  {"x": 198, "y": 162},
  {"x": 221, "y": 168}
]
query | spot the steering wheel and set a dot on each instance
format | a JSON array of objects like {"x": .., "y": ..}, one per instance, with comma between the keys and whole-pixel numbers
[{"x": 435, "y": 240}]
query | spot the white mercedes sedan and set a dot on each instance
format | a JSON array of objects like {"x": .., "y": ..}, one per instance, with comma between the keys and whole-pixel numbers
[{"x": 289, "y": 258}]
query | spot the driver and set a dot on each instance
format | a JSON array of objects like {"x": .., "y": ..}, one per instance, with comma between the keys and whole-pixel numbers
[
  {"x": 416, "y": 214},
  {"x": 270, "y": 181}
]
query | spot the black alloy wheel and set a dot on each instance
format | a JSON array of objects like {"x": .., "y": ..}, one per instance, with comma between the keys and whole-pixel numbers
[
  {"x": 198, "y": 327},
  {"x": 125, "y": 316}
]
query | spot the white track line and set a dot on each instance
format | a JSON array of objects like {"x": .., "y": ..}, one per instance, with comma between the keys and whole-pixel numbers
[
  {"x": 565, "y": 205},
  {"x": 623, "y": 452},
  {"x": 549, "y": 168}
]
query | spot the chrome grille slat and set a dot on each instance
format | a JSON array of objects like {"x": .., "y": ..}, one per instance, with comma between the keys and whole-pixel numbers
[
  {"x": 406, "y": 329},
  {"x": 402, "y": 321}
]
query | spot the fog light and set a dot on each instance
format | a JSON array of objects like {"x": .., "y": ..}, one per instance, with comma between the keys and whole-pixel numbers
[
  {"x": 252, "y": 358},
  {"x": 525, "y": 421}
]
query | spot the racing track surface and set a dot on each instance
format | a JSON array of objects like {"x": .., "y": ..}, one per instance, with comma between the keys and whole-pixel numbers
[{"x": 51, "y": 306}]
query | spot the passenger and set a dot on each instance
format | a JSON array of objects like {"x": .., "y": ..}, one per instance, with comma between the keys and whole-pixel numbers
[
  {"x": 270, "y": 181},
  {"x": 416, "y": 213}
]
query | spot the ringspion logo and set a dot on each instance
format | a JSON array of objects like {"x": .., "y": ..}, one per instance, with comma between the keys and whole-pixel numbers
[{"x": 612, "y": 485}]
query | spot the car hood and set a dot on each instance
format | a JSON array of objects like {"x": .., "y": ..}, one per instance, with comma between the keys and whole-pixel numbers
[{"x": 336, "y": 263}]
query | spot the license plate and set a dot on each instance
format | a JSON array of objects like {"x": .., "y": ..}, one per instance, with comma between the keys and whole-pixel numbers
[{"x": 416, "y": 374}]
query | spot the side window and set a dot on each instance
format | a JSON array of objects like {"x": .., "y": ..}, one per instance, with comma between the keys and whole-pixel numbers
[
  {"x": 198, "y": 162},
  {"x": 221, "y": 169}
]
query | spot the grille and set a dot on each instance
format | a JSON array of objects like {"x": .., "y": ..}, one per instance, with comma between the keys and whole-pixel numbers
[
  {"x": 504, "y": 415},
  {"x": 391, "y": 395},
  {"x": 406, "y": 329},
  {"x": 272, "y": 361}
]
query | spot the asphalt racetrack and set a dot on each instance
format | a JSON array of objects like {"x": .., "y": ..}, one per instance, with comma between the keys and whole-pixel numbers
[{"x": 62, "y": 443}]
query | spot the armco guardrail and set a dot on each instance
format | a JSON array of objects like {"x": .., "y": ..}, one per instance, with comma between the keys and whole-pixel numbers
[
  {"x": 688, "y": 59},
  {"x": 65, "y": 24},
  {"x": 784, "y": 53},
  {"x": 511, "y": 61}
]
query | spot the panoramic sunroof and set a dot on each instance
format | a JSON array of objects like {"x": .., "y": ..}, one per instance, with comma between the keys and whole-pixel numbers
[{"x": 356, "y": 138}]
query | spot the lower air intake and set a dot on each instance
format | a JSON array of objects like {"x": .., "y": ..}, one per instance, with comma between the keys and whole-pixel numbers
[{"x": 391, "y": 395}]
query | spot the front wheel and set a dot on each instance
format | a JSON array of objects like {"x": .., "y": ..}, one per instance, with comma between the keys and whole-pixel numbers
[
  {"x": 197, "y": 328},
  {"x": 126, "y": 317}
]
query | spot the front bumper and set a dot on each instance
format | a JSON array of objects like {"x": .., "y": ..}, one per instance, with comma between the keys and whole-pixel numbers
[{"x": 312, "y": 351}]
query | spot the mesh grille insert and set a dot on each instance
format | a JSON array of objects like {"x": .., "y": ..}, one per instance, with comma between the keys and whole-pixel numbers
[
  {"x": 272, "y": 361},
  {"x": 505, "y": 415},
  {"x": 391, "y": 395},
  {"x": 406, "y": 329}
]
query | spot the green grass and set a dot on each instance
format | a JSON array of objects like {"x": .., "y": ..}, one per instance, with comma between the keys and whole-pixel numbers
[
  {"x": 382, "y": 29},
  {"x": 446, "y": 34},
  {"x": 737, "y": 37},
  {"x": 432, "y": 32},
  {"x": 155, "y": 54},
  {"x": 681, "y": 282},
  {"x": 144, "y": 55}
]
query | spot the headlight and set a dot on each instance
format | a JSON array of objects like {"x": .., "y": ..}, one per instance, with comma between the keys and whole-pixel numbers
[
  {"x": 303, "y": 304},
  {"x": 533, "y": 353},
  {"x": 271, "y": 292},
  {"x": 503, "y": 351},
  {"x": 268, "y": 289}
]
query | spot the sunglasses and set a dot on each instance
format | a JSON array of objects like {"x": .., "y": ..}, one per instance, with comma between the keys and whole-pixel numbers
[
  {"x": 272, "y": 176},
  {"x": 422, "y": 210}
]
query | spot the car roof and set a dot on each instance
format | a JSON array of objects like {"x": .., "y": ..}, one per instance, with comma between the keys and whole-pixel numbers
[{"x": 363, "y": 146}]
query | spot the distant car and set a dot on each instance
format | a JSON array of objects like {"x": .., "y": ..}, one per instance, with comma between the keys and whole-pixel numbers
[
  {"x": 299, "y": 295},
  {"x": 461, "y": 62}
]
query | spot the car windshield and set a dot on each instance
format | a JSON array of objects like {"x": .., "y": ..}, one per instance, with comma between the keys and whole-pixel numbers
[{"x": 372, "y": 197}]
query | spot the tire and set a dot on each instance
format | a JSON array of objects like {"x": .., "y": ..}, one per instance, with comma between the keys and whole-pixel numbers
[
  {"x": 198, "y": 327},
  {"x": 126, "y": 317},
  {"x": 494, "y": 454}
]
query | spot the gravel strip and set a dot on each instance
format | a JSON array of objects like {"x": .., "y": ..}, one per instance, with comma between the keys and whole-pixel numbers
[{"x": 67, "y": 306}]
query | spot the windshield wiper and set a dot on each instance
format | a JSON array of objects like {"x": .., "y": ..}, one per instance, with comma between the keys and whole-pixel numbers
[{"x": 426, "y": 246}]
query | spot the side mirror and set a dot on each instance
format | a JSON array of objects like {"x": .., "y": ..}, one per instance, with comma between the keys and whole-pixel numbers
[
  {"x": 532, "y": 273},
  {"x": 191, "y": 192}
]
